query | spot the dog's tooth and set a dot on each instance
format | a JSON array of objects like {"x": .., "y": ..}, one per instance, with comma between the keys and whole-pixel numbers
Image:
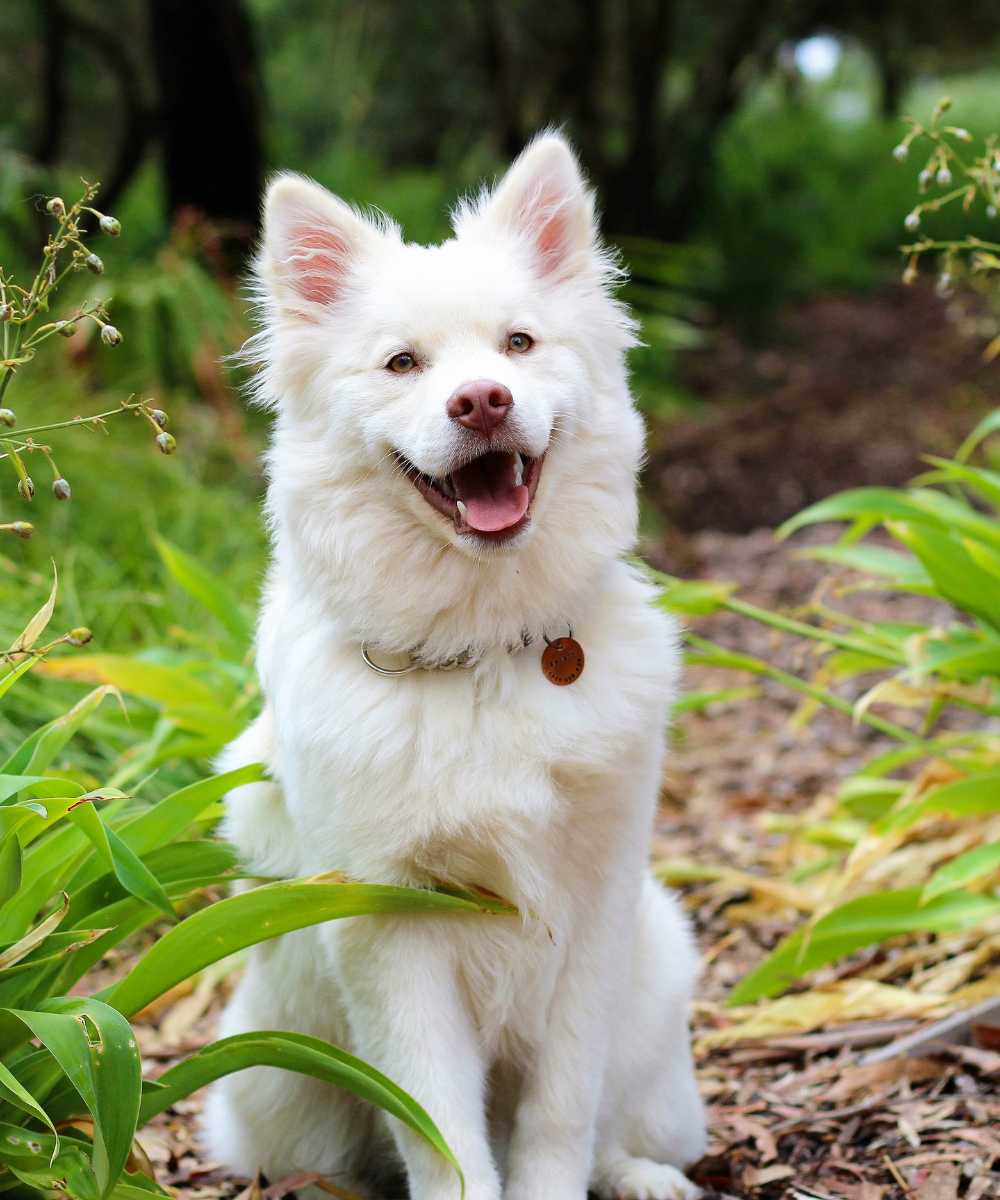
[
  {"x": 461, "y": 509},
  {"x": 518, "y": 470}
]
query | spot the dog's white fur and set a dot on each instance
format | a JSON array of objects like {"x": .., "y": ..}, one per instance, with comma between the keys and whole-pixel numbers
[{"x": 551, "y": 1050}]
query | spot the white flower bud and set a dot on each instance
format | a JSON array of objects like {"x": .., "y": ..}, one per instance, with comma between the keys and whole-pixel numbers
[
  {"x": 56, "y": 207},
  {"x": 943, "y": 286},
  {"x": 110, "y": 336},
  {"x": 924, "y": 179},
  {"x": 991, "y": 211},
  {"x": 912, "y": 221},
  {"x": 26, "y": 487},
  {"x": 110, "y": 226},
  {"x": 93, "y": 263},
  {"x": 943, "y": 176},
  {"x": 7, "y": 418},
  {"x": 901, "y": 152}
]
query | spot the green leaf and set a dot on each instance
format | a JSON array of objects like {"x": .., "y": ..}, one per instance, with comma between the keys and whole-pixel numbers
[
  {"x": 130, "y": 871},
  {"x": 96, "y": 1050},
  {"x": 854, "y": 925},
  {"x": 974, "y": 864},
  {"x": 293, "y": 1052},
  {"x": 265, "y": 912},
  {"x": 989, "y": 424},
  {"x": 973, "y": 796},
  {"x": 693, "y": 598},
  {"x": 207, "y": 588},
  {"x": 10, "y": 867},
  {"x": 14, "y": 674},
  {"x": 15, "y": 1093},
  {"x": 872, "y": 560},
  {"x": 150, "y": 681},
  {"x": 38, "y": 750},
  {"x": 26, "y": 639}
]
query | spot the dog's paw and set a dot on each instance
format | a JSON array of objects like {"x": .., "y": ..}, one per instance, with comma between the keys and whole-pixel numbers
[{"x": 643, "y": 1179}]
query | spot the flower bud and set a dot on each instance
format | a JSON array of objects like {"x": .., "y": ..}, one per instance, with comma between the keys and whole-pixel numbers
[
  {"x": 159, "y": 416},
  {"x": 991, "y": 211},
  {"x": 21, "y": 529},
  {"x": 7, "y": 417},
  {"x": 924, "y": 179},
  {"x": 943, "y": 176},
  {"x": 67, "y": 328},
  {"x": 61, "y": 489},
  {"x": 79, "y": 636},
  {"x": 110, "y": 226},
  {"x": 26, "y": 487},
  {"x": 6, "y": 312},
  {"x": 93, "y": 263},
  {"x": 901, "y": 152},
  {"x": 56, "y": 207},
  {"x": 910, "y": 274},
  {"x": 110, "y": 336},
  {"x": 166, "y": 442},
  {"x": 963, "y": 135},
  {"x": 943, "y": 286},
  {"x": 912, "y": 221}
]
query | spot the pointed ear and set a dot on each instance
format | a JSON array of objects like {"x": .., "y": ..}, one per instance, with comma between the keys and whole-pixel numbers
[
  {"x": 545, "y": 200},
  {"x": 311, "y": 240}
]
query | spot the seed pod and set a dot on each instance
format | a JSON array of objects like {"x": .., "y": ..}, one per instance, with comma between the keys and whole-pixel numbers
[
  {"x": 79, "y": 636},
  {"x": 159, "y": 416},
  {"x": 166, "y": 442},
  {"x": 110, "y": 226},
  {"x": 93, "y": 263},
  {"x": 912, "y": 221},
  {"x": 6, "y": 312},
  {"x": 21, "y": 529},
  {"x": 67, "y": 329},
  {"x": 56, "y": 207},
  {"x": 7, "y": 417},
  {"x": 61, "y": 489},
  {"x": 901, "y": 152},
  {"x": 26, "y": 487},
  {"x": 110, "y": 336}
]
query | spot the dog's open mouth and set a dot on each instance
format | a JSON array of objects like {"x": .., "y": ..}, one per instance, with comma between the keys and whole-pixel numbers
[{"x": 490, "y": 496}]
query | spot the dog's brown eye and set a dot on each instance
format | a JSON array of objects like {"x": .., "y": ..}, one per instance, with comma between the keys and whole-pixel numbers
[
  {"x": 401, "y": 363},
  {"x": 519, "y": 342}
]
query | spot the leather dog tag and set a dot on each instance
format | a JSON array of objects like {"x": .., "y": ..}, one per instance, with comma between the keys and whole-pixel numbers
[{"x": 562, "y": 661}]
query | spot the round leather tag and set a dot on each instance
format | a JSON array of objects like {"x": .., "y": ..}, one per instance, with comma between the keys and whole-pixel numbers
[{"x": 562, "y": 661}]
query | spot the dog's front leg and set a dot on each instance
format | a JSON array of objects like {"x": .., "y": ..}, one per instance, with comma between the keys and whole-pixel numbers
[
  {"x": 409, "y": 1019},
  {"x": 552, "y": 1146}
]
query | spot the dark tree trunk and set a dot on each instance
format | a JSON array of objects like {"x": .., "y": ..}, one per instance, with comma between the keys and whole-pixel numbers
[
  {"x": 49, "y": 138},
  {"x": 210, "y": 101}
]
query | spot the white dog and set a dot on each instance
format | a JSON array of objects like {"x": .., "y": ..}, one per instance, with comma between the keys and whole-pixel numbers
[{"x": 452, "y": 487}]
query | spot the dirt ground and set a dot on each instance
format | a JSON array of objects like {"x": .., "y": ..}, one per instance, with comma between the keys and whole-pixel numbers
[{"x": 852, "y": 394}]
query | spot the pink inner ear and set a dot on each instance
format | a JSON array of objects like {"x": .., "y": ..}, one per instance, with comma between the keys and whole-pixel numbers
[
  {"x": 546, "y": 218},
  {"x": 318, "y": 263}
]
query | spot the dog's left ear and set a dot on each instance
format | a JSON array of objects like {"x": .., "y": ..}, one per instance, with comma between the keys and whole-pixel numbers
[{"x": 545, "y": 200}]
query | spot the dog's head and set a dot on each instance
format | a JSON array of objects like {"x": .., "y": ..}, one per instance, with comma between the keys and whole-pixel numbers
[{"x": 469, "y": 396}]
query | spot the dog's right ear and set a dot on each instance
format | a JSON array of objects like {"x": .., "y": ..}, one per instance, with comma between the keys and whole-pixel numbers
[{"x": 311, "y": 241}]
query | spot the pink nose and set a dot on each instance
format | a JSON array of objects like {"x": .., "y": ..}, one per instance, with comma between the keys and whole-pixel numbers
[{"x": 482, "y": 405}]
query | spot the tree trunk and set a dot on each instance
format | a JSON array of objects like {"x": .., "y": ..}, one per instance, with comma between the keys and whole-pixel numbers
[{"x": 210, "y": 101}]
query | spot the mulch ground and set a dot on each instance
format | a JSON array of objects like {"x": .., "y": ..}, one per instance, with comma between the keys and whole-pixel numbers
[{"x": 851, "y": 392}]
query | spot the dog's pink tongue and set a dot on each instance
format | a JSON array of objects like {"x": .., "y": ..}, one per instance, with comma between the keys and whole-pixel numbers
[{"x": 493, "y": 501}]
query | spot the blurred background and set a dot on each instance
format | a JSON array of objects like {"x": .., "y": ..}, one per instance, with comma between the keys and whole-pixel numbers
[{"x": 743, "y": 155}]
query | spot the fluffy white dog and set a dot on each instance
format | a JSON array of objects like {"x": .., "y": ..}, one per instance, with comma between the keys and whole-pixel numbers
[{"x": 452, "y": 487}]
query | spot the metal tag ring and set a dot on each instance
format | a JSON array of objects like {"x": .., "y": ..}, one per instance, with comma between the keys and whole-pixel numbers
[{"x": 387, "y": 672}]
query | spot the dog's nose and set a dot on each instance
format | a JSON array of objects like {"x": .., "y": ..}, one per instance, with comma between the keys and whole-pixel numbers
[{"x": 482, "y": 405}]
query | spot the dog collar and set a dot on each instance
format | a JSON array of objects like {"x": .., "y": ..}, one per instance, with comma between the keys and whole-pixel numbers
[{"x": 562, "y": 659}]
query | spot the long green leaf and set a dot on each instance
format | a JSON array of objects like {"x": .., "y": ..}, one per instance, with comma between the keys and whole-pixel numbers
[
  {"x": 207, "y": 588},
  {"x": 130, "y": 871},
  {"x": 975, "y": 864},
  {"x": 265, "y": 912},
  {"x": 856, "y": 924},
  {"x": 293, "y": 1052}
]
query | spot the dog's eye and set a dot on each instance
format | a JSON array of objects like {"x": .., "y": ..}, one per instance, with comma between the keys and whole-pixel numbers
[
  {"x": 519, "y": 342},
  {"x": 401, "y": 363}
]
